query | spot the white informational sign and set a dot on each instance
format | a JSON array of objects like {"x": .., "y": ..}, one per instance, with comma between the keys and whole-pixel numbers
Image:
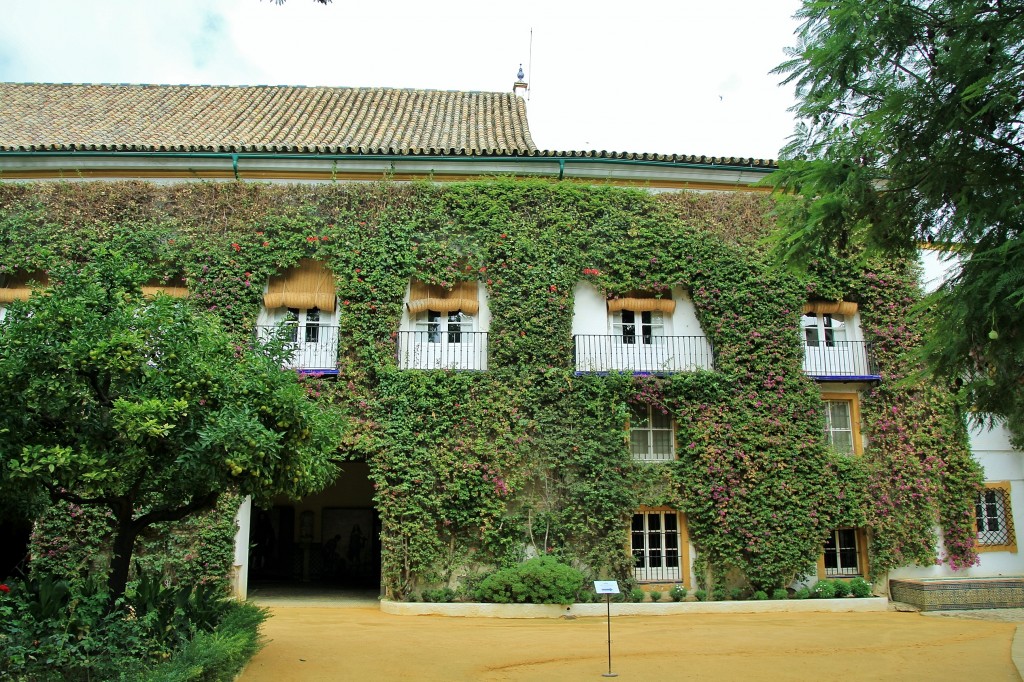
[{"x": 606, "y": 587}]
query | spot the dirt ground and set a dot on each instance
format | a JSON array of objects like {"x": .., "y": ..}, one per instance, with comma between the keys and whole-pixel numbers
[{"x": 361, "y": 643}]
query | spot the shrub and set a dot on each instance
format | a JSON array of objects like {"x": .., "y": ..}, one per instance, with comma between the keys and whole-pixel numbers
[
  {"x": 677, "y": 593},
  {"x": 824, "y": 589},
  {"x": 802, "y": 593},
  {"x": 541, "y": 580},
  {"x": 860, "y": 588},
  {"x": 701, "y": 595},
  {"x": 760, "y": 595},
  {"x": 636, "y": 594},
  {"x": 780, "y": 593},
  {"x": 719, "y": 594},
  {"x": 735, "y": 594},
  {"x": 841, "y": 588},
  {"x": 441, "y": 595},
  {"x": 655, "y": 595}
]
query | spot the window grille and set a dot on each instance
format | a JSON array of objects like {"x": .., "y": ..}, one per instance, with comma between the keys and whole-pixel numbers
[
  {"x": 656, "y": 544},
  {"x": 995, "y": 522},
  {"x": 841, "y": 556}
]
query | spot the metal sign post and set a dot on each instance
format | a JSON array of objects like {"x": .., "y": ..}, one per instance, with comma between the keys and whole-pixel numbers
[{"x": 608, "y": 588}]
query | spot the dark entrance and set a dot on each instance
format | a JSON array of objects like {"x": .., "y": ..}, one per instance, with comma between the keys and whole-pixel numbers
[
  {"x": 330, "y": 539},
  {"x": 14, "y": 537}
]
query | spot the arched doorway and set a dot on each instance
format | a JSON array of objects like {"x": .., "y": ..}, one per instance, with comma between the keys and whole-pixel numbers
[{"x": 329, "y": 540}]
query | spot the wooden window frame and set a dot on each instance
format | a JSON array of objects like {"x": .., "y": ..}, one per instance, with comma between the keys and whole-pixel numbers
[
  {"x": 684, "y": 546},
  {"x": 854, "y": 400},
  {"x": 861, "y": 538},
  {"x": 650, "y": 438}
]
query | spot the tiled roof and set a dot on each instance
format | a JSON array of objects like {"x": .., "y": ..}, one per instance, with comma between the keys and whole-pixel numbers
[
  {"x": 284, "y": 119},
  {"x": 190, "y": 118}
]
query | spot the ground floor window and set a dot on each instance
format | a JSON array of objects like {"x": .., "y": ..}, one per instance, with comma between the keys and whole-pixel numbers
[
  {"x": 657, "y": 546},
  {"x": 995, "y": 518},
  {"x": 843, "y": 554}
]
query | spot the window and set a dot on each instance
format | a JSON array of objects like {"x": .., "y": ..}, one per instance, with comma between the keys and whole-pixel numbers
[
  {"x": 995, "y": 519},
  {"x": 657, "y": 546},
  {"x": 638, "y": 326},
  {"x": 651, "y": 437},
  {"x": 444, "y": 328},
  {"x": 842, "y": 554},
  {"x": 842, "y": 422},
  {"x": 311, "y": 328},
  {"x": 827, "y": 327}
]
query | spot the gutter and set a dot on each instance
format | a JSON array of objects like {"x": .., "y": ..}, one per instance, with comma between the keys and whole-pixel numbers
[{"x": 560, "y": 160}]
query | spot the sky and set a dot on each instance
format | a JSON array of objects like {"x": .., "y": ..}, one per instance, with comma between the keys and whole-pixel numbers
[{"x": 665, "y": 76}]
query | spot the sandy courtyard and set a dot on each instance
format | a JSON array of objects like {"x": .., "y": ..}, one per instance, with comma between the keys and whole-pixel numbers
[{"x": 361, "y": 643}]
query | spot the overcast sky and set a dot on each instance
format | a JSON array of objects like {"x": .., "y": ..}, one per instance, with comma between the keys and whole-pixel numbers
[{"x": 668, "y": 76}]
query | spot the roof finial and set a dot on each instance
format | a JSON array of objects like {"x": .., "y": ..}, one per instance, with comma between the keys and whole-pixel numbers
[{"x": 519, "y": 84}]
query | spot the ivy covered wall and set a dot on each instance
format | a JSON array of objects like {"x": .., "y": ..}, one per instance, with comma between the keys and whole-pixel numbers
[{"x": 471, "y": 468}]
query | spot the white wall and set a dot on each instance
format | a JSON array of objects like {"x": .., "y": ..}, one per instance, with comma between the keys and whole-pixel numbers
[
  {"x": 992, "y": 450},
  {"x": 590, "y": 313}
]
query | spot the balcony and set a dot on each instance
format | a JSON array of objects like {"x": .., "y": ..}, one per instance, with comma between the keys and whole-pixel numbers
[
  {"x": 313, "y": 348},
  {"x": 840, "y": 361},
  {"x": 442, "y": 350},
  {"x": 641, "y": 354}
]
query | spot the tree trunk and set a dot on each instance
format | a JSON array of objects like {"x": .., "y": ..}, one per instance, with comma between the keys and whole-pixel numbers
[
  {"x": 121, "y": 558},
  {"x": 709, "y": 581}
]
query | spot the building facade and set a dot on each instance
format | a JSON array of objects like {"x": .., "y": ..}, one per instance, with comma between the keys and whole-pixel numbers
[{"x": 589, "y": 356}]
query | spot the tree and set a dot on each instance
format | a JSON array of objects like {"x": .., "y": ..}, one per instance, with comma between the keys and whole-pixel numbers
[
  {"x": 912, "y": 129},
  {"x": 147, "y": 408}
]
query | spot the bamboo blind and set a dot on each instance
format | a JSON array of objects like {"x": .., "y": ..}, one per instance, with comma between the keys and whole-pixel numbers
[
  {"x": 642, "y": 304},
  {"x": 175, "y": 288},
  {"x": 463, "y": 296},
  {"x": 307, "y": 285},
  {"x": 16, "y": 287},
  {"x": 831, "y": 307}
]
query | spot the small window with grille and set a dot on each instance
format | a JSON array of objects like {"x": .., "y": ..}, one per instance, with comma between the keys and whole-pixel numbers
[
  {"x": 995, "y": 519},
  {"x": 657, "y": 545}
]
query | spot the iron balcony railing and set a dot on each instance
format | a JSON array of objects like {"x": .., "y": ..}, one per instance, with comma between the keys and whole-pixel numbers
[
  {"x": 312, "y": 347},
  {"x": 839, "y": 360},
  {"x": 442, "y": 350},
  {"x": 641, "y": 354}
]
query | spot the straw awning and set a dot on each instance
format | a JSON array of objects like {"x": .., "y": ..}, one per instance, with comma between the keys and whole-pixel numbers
[
  {"x": 175, "y": 288},
  {"x": 307, "y": 285},
  {"x": 463, "y": 296},
  {"x": 16, "y": 287},
  {"x": 831, "y": 307},
  {"x": 642, "y": 304}
]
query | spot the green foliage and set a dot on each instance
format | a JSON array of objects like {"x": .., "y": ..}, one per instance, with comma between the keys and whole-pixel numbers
[
  {"x": 442, "y": 595},
  {"x": 701, "y": 595},
  {"x": 541, "y": 580},
  {"x": 655, "y": 595},
  {"x": 636, "y": 595},
  {"x": 218, "y": 655},
  {"x": 780, "y": 593},
  {"x": 802, "y": 593},
  {"x": 677, "y": 593},
  {"x": 823, "y": 589},
  {"x": 759, "y": 595},
  {"x": 860, "y": 588},
  {"x": 475, "y": 468},
  {"x": 841, "y": 588},
  {"x": 911, "y": 128},
  {"x": 50, "y": 630},
  {"x": 148, "y": 410}
]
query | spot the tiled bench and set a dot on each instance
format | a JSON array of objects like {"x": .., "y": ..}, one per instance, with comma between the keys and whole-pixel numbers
[{"x": 966, "y": 593}]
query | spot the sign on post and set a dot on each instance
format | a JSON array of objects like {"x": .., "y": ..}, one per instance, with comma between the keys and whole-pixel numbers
[{"x": 608, "y": 588}]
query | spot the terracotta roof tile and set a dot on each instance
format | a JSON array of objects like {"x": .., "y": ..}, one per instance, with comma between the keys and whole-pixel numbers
[
  {"x": 37, "y": 116},
  {"x": 284, "y": 119}
]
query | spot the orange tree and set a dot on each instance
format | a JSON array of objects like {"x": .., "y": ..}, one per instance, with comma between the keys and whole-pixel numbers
[{"x": 148, "y": 409}]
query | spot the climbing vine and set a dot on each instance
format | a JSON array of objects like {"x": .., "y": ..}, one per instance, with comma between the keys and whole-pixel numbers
[{"x": 478, "y": 469}]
